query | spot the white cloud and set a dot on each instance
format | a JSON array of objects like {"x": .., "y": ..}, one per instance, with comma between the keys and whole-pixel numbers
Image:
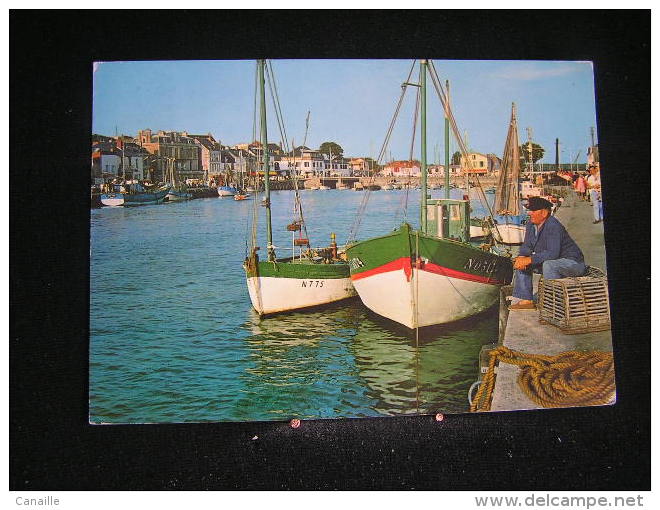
[{"x": 537, "y": 71}]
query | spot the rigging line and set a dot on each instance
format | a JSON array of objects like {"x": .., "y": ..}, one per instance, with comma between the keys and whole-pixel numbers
[
  {"x": 254, "y": 111},
  {"x": 272, "y": 83},
  {"x": 403, "y": 204},
  {"x": 417, "y": 262},
  {"x": 365, "y": 199},
  {"x": 454, "y": 126}
]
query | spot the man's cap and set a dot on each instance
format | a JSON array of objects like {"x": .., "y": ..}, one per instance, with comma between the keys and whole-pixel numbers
[{"x": 536, "y": 203}]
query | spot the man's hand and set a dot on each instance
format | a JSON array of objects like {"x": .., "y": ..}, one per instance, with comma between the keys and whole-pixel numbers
[{"x": 522, "y": 263}]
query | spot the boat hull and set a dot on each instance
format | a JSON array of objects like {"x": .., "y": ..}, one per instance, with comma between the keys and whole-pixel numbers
[
  {"x": 175, "y": 196},
  {"x": 512, "y": 234},
  {"x": 448, "y": 281},
  {"x": 133, "y": 199},
  {"x": 276, "y": 287},
  {"x": 226, "y": 191}
]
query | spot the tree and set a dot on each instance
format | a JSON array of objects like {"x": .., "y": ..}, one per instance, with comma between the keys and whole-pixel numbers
[
  {"x": 456, "y": 158},
  {"x": 331, "y": 148},
  {"x": 537, "y": 153}
]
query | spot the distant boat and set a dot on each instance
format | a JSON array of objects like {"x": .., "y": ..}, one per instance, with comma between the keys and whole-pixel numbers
[
  {"x": 227, "y": 191},
  {"x": 133, "y": 195},
  {"x": 490, "y": 190},
  {"x": 178, "y": 190},
  {"x": 241, "y": 196},
  {"x": 529, "y": 189},
  {"x": 323, "y": 187},
  {"x": 509, "y": 223},
  {"x": 387, "y": 187},
  {"x": 373, "y": 187},
  {"x": 477, "y": 228}
]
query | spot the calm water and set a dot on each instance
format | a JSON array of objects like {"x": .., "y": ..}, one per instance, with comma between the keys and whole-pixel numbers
[{"x": 174, "y": 337}]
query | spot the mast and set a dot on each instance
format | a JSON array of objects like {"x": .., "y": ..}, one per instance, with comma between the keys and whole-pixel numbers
[
  {"x": 264, "y": 155},
  {"x": 423, "y": 63},
  {"x": 447, "y": 141}
]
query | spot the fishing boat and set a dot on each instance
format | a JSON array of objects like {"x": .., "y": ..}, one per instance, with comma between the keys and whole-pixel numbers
[
  {"x": 432, "y": 274},
  {"x": 311, "y": 278},
  {"x": 227, "y": 191},
  {"x": 133, "y": 194},
  {"x": 529, "y": 189},
  {"x": 178, "y": 190},
  {"x": 508, "y": 220}
]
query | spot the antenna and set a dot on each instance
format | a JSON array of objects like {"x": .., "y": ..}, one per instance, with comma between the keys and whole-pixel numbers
[{"x": 593, "y": 136}]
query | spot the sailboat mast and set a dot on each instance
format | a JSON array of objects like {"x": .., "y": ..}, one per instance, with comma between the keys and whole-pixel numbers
[
  {"x": 264, "y": 154},
  {"x": 423, "y": 63},
  {"x": 447, "y": 140}
]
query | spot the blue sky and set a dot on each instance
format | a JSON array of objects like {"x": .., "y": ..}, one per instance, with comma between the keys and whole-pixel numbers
[{"x": 351, "y": 102}]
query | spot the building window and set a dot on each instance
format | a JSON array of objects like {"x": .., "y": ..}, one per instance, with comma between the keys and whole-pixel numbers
[{"x": 306, "y": 164}]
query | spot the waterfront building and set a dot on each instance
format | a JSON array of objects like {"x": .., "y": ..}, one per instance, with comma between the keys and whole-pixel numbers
[
  {"x": 114, "y": 157},
  {"x": 105, "y": 162},
  {"x": 304, "y": 161},
  {"x": 337, "y": 166},
  {"x": 210, "y": 155},
  {"x": 479, "y": 164},
  {"x": 175, "y": 145},
  {"x": 402, "y": 169}
]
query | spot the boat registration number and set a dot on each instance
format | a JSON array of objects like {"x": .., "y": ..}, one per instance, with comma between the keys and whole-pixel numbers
[{"x": 312, "y": 283}]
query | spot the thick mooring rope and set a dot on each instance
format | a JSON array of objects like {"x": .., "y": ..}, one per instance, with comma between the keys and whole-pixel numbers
[{"x": 569, "y": 379}]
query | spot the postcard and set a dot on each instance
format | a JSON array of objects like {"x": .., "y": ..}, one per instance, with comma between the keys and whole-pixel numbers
[{"x": 279, "y": 240}]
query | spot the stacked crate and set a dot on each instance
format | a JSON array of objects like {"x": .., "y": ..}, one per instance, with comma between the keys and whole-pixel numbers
[{"x": 576, "y": 304}]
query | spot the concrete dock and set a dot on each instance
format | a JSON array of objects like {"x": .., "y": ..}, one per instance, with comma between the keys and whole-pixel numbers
[{"x": 522, "y": 330}]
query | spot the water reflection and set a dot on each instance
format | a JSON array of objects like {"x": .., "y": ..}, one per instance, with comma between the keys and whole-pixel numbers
[{"x": 344, "y": 361}]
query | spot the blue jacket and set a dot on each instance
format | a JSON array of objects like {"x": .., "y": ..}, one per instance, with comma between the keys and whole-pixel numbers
[{"x": 553, "y": 243}]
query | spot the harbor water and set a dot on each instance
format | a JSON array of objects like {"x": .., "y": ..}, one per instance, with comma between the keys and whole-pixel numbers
[{"x": 173, "y": 337}]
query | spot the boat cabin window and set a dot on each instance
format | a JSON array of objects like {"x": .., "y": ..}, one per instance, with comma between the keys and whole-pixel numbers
[{"x": 454, "y": 212}]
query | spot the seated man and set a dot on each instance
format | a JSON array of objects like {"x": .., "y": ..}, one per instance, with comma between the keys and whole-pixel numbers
[{"x": 547, "y": 248}]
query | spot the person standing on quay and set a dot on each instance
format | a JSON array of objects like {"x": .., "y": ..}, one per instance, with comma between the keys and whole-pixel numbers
[
  {"x": 593, "y": 183},
  {"x": 547, "y": 248},
  {"x": 581, "y": 187}
]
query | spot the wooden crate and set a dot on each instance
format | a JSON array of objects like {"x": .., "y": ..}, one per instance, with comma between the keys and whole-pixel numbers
[{"x": 576, "y": 304}]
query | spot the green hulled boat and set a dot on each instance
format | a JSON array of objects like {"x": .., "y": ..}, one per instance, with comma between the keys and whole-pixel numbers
[
  {"x": 314, "y": 278},
  {"x": 432, "y": 275}
]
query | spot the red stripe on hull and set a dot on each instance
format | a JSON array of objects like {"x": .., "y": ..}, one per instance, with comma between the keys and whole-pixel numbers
[
  {"x": 395, "y": 265},
  {"x": 404, "y": 263}
]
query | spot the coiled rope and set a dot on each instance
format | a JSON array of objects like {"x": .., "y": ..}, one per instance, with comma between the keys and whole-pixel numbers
[{"x": 569, "y": 379}]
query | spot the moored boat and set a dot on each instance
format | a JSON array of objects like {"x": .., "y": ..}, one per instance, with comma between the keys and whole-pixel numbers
[
  {"x": 227, "y": 191},
  {"x": 133, "y": 195},
  {"x": 430, "y": 275},
  {"x": 509, "y": 222},
  {"x": 314, "y": 277},
  {"x": 418, "y": 279}
]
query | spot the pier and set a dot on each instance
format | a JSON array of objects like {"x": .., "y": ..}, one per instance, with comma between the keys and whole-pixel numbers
[
  {"x": 381, "y": 180},
  {"x": 522, "y": 331}
]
